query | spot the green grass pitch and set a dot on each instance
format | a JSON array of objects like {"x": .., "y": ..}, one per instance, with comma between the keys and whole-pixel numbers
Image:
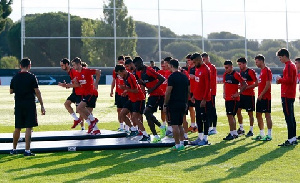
[{"x": 239, "y": 160}]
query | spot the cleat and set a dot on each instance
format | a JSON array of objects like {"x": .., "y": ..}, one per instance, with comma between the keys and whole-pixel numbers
[
  {"x": 76, "y": 122},
  {"x": 266, "y": 138},
  {"x": 230, "y": 137},
  {"x": 169, "y": 133},
  {"x": 96, "y": 132},
  {"x": 258, "y": 137},
  {"x": 196, "y": 142},
  {"x": 12, "y": 152},
  {"x": 186, "y": 139},
  {"x": 28, "y": 154},
  {"x": 180, "y": 148},
  {"x": 203, "y": 143},
  {"x": 298, "y": 138},
  {"x": 295, "y": 142},
  {"x": 163, "y": 132},
  {"x": 212, "y": 132},
  {"x": 145, "y": 139},
  {"x": 156, "y": 140},
  {"x": 140, "y": 133},
  {"x": 92, "y": 125},
  {"x": 286, "y": 143},
  {"x": 133, "y": 133},
  {"x": 241, "y": 132},
  {"x": 82, "y": 128},
  {"x": 249, "y": 134}
]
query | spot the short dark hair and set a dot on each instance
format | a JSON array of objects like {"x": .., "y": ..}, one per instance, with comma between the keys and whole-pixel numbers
[
  {"x": 25, "y": 62},
  {"x": 151, "y": 61},
  {"x": 204, "y": 54},
  {"x": 283, "y": 52},
  {"x": 174, "y": 63},
  {"x": 65, "y": 61},
  {"x": 119, "y": 67},
  {"x": 127, "y": 57},
  {"x": 227, "y": 62},
  {"x": 121, "y": 57},
  {"x": 242, "y": 60},
  {"x": 168, "y": 59},
  {"x": 188, "y": 56},
  {"x": 137, "y": 59},
  {"x": 260, "y": 57},
  {"x": 84, "y": 64},
  {"x": 76, "y": 60},
  {"x": 128, "y": 61},
  {"x": 195, "y": 55},
  {"x": 297, "y": 59}
]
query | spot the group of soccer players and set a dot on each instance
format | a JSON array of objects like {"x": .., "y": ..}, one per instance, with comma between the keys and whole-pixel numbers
[{"x": 134, "y": 81}]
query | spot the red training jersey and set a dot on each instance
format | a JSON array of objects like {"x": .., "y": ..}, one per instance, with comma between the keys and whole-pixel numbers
[
  {"x": 289, "y": 80},
  {"x": 213, "y": 78},
  {"x": 231, "y": 84},
  {"x": 202, "y": 86},
  {"x": 265, "y": 75},
  {"x": 72, "y": 74},
  {"x": 166, "y": 74},
  {"x": 249, "y": 77},
  {"x": 86, "y": 81},
  {"x": 192, "y": 71},
  {"x": 119, "y": 81},
  {"x": 130, "y": 81}
]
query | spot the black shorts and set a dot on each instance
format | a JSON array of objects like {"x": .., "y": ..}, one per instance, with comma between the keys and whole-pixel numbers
[
  {"x": 138, "y": 106},
  {"x": 25, "y": 114},
  {"x": 231, "y": 107},
  {"x": 263, "y": 106},
  {"x": 154, "y": 102},
  {"x": 175, "y": 113},
  {"x": 90, "y": 100},
  {"x": 247, "y": 102},
  {"x": 76, "y": 99},
  {"x": 120, "y": 100}
]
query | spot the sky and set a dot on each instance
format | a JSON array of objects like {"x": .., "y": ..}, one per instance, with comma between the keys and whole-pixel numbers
[{"x": 265, "y": 19}]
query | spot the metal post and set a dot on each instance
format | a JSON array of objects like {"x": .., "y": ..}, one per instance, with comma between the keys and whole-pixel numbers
[
  {"x": 159, "y": 38},
  {"x": 286, "y": 25},
  {"x": 115, "y": 33},
  {"x": 246, "y": 49},
  {"x": 22, "y": 31},
  {"x": 203, "y": 50},
  {"x": 69, "y": 32}
]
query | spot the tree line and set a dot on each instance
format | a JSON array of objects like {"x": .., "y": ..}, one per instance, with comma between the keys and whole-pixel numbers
[{"x": 100, "y": 51}]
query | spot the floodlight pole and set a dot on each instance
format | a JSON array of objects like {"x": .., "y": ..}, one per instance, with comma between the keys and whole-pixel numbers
[
  {"x": 159, "y": 38},
  {"x": 22, "y": 30},
  {"x": 246, "y": 49},
  {"x": 286, "y": 26},
  {"x": 115, "y": 33},
  {"x": 203, "y": 50},
  {"x": 69, "y": 32}
]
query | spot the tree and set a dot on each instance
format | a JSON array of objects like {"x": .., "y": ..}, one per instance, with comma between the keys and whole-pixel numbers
[
  {"x": 4, "y": 48},
  {"x": 5, "y": 11},
  {"x": 180, "y": 49},
  {"x": 9, "y": 63}
]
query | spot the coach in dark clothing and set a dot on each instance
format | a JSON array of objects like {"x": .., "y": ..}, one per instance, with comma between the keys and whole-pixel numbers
[
  {"x": 24, "y": 85},
  {"x": 175, "y": 104}
]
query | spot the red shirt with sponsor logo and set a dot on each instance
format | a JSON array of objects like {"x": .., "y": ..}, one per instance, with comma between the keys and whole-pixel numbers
[
  {"x": 213, "y": 78},
  {"x": 86, "y": 81},
  {"x": 149, "y": 76},
  {"x": 289, "y": 80},
  {"x": 119, "y": 81},
  {"x": 265, "y": 75},
  {"x": 202, "y": 83},
  {"x": 192, "y": 70},
  {"x": 231, "y": 84},
  {"x": 77, "y": 90},
  {"x": 130, "y": 81},
  {"x": 166, "y": 74},
  {"x": 249, "y": 77}
]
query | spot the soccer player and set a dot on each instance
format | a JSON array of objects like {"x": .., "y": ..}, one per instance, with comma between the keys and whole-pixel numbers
[
  {"x": 191, "y": 71},
  {"x": 25, "y": 87},
  {"x": 213, "y": 85},
  {"x": 174, "y": 106},
  {"x": 152, "y": 64},
  {"x": 135, "y": 104},
  {"x": 297, "y": 62},
  {"x": 84, "y": 79},
  {"x": 247, "y": 97},
  {"x": 151, "y": 80},
  {"x": 288, "y": 93},
  {"x": 202, "y": 99},
  {"x": 263, "y": 103},
  {"x": 120, "y": 99},
  {"x": 231, "y": 80},
  {"x": 73, "y": 98}
]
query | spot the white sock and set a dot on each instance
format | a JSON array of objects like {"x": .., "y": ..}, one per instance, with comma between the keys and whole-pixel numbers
[
  {"x": 28, "y": 151},
  {"x": 291, "y": 140},
  {"x": 294, "y": 139},
  {"x": 74, "y": 116},
  {"x": 241, "y": 126},
  {"x": 162, "y": 126},
  {"x": 170, "y": 128},
  {"x": 95, "y": 127},
  {"x": 91, "y": 117},
  {"x": 88, "y": 122},
  {"x": 215, "y": 128},
  {"x": 262, "y": 133},
  {"x": 185, "y": 135},
  {"x": 193, "y": 125},
  {"x": 145, "y": 133},
  {"x": 251, "y": 128},
  {"x": 126, "y": 127},
  {"x": 164, "y": 123},
  {"x": 156, "y": 136},
  {"x": 121, "y": 126},
  {"x": 200, "y": 135},
  {"x": 232, "y": 133},
  {"x": 210, "y": 128},
  {"x": 132, "y": 128},
  {"x": 270, "y": 132},
  {"x": 205, "y": 137},
  {"x": 182, "y": 143},
  {"x": 177, "y": 146}
]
